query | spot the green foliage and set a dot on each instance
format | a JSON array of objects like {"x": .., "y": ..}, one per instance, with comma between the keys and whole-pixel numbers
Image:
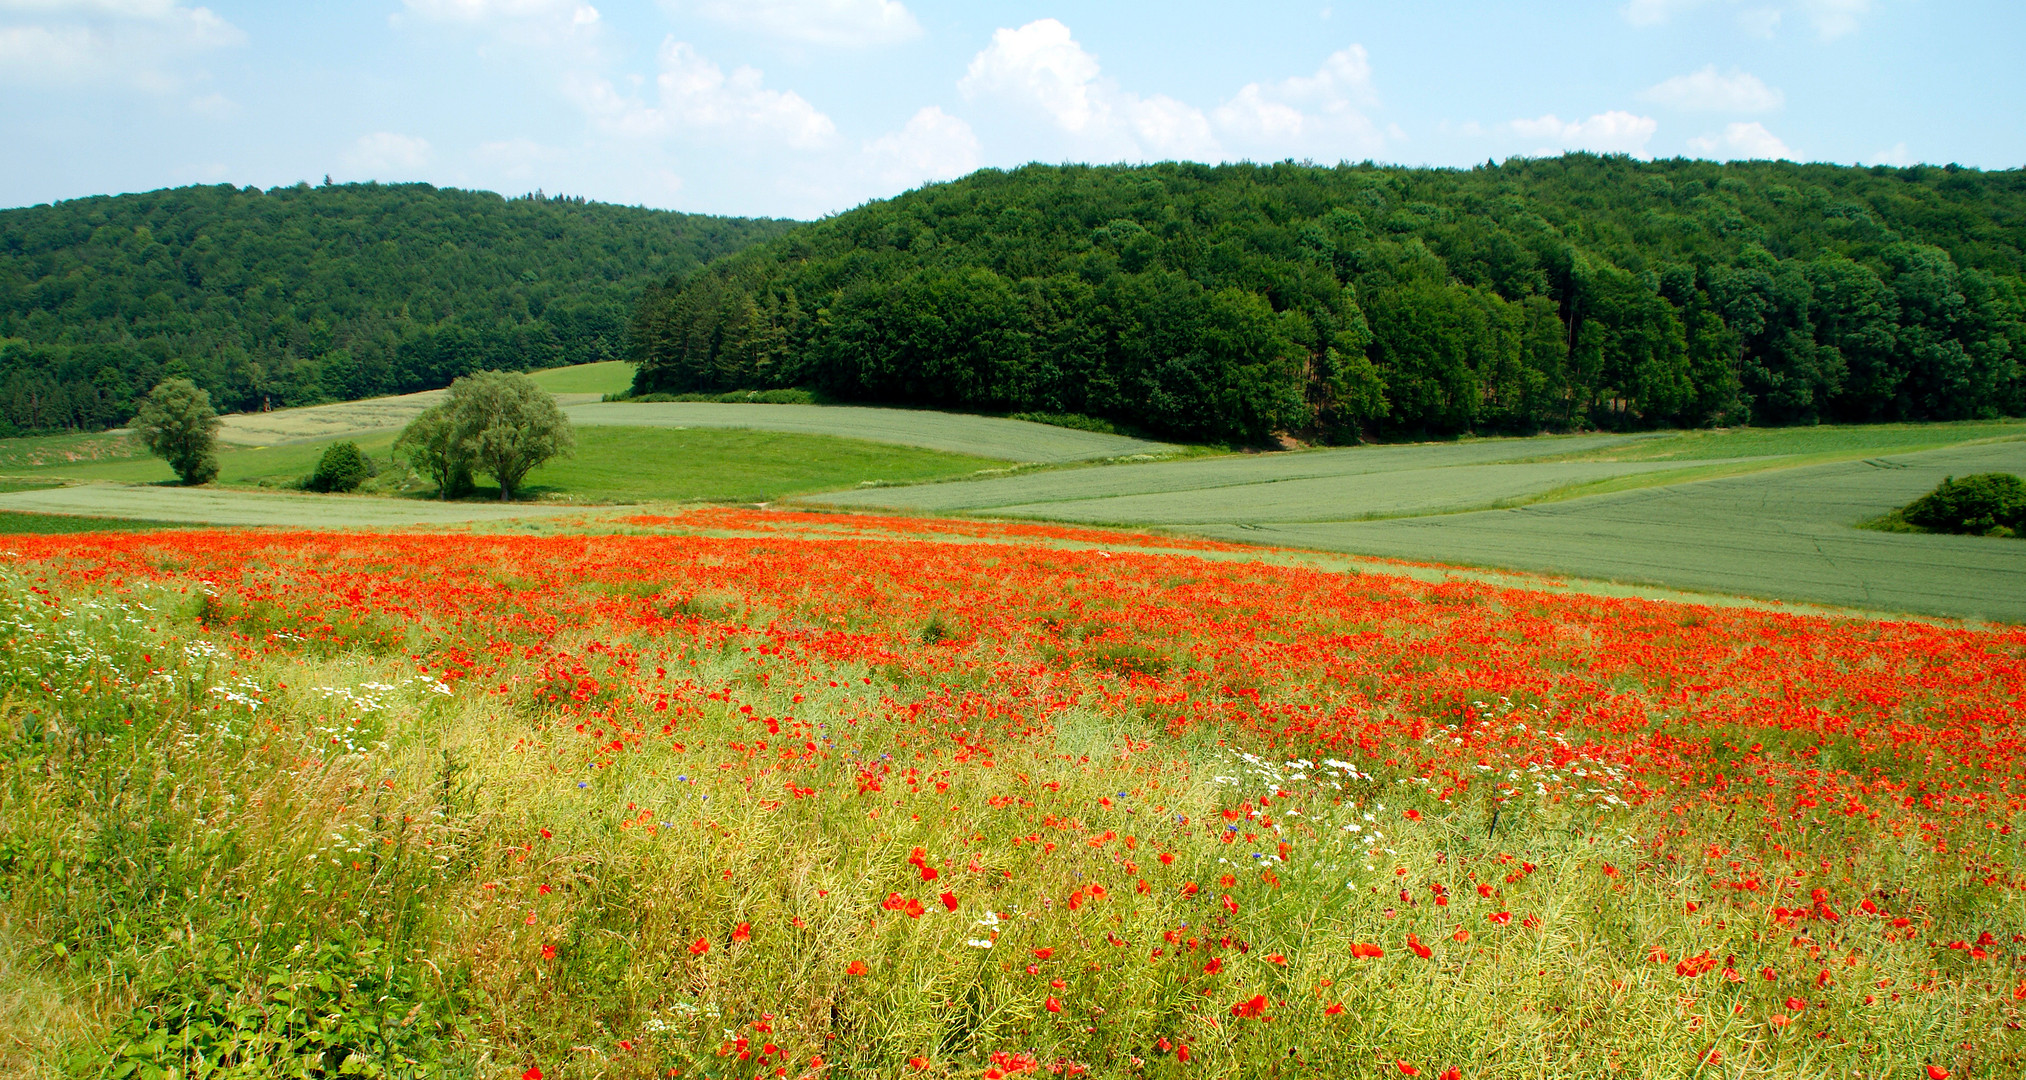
[
  {"x": 1228, "y": 302},
  {"x": 431, "y": 444},
  {"x": 1073, "y": 421},
  {"x": 1987, "y": 503},
  {"x": 342, "y": 468},
  {"x": 340, "y": 1007},
  {"x": 733, "y": 397},
  {"x": 503, "y": 425},
  {"x": 623, "y": 464},
  {"x": 176, "y": 423},
  {"x": 300, "y": 295}
]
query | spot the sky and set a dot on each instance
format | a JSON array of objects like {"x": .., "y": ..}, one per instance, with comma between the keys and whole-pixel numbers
[{"x": 801, "y": 108}]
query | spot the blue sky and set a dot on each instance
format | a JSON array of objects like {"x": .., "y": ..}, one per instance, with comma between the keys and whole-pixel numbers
[{"x": 806, "y": 107}]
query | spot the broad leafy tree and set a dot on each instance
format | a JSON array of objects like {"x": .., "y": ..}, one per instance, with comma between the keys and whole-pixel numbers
[
  {"x": 177, "y": 424},
  {"x": 507, "y": 425},
  {"x": 1228, "y": 302}
]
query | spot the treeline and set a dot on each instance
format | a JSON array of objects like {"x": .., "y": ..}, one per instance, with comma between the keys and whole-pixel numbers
[
  {"x": 1234, "y": 301},
  {"x": 306, "y": 294}
]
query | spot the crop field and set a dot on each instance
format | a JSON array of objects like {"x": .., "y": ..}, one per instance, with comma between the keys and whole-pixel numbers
[
  {"x": 748, "y": 794},
  {"x": 955, "y": 433},
  {"x": 610, "y": 377},
  {"x": 675, "y": 464},
  {"x": 610, "y": 465},
  {"x": 225, "y": 506},
  {"x": 1764, "y": 513},
  {"x": 14, "y": 522},
  {"x": 1787, "y": 534}
]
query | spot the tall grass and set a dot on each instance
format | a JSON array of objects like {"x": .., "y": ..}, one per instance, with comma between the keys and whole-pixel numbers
[{"x": 238, "y": 844}]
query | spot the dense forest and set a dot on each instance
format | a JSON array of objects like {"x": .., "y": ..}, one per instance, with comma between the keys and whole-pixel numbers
[
  {"x": 1231, "y": 302},
  {"x": 304, "y": 294}
]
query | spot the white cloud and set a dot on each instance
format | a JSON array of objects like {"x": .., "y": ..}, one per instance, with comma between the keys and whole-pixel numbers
[
  {"x": 1042, "y": 66},
  {"x": 1614, "y": 132},
  {"x": 1742, "y": 142},
  {"x": 933, "y": 146},
  {"x": 1834, "y": 18},
  {"x": 1320, "y": 114},
  {"x": 1831, "y": 18},
  {"x": 384, "y": 152},
  {"x": 1895, "y": 155},
  {"x": 134, "y": 42},
  {"x": 1707, "y": 91},
  {"x": 1611, "y": 132},
  {"x": 1760, "y": 22},
  {"x": 572, "y": 12},
  {"x": 698, "y": 98},
  {"x": 845, "y": 23}
]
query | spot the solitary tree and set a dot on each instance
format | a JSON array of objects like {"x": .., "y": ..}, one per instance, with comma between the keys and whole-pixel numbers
[
  {"x": 431, "y": 444},
  {"x": 508, "y": 425},
  {"x": 176, "y": 423},
  {"x": 498, "y": 423},
  {"x": 342, "y": 468}
]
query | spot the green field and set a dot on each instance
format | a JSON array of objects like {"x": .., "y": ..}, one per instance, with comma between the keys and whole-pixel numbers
[
  {"x": 17, "y": 523},
  {"x": 610, "y": 377},
  {"x": 40, "y": 451},
  {"x": 1747, "y": 512},
  {"x": 238, "y": 466},
  {"x": 228, "y": 506},
  {"x": 955, "y": 433},
  {"x": 1788, "y": 534},
  {"x": 611, "y": 465},
  {"x": 627, "y": 464}
]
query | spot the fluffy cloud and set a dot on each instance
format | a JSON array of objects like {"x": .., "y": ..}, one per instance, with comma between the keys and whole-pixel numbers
[
  {"x": 1614, "y": 132},
  {"x": 845, "y": 23},
  {"x": 1707, "y": 91},
  {"x": 386, "y": 154},
  {"x": 573, "y": 12},
  {"x": 1895, "y": 155},
  {"x": 1742, "y": 142},
  {"x": 1831, "y": 18},
  {"x": 1320, "y": 114},
  {"x": 136, "y": 42},
  {"x": 697, "y": 98},
  {"x": 1042, "y": 66},
  {"x": 933, "y": 146}
]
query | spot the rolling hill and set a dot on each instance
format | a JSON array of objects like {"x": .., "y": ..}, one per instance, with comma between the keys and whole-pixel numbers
[{"x": 299, "y": 295}]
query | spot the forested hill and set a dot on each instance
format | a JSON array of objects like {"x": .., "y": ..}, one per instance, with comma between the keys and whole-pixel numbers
[
  {"x": 1233, "y": 301},
  {"x": 304, "y": 294}
]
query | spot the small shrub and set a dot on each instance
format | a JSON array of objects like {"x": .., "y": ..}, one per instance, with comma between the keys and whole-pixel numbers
[
  {"x": 1076, "y": 421},
  {"x": 342, "y": 468},
  {"x": 1978, "y": 505},
  {"x": 733, "y": 397}
]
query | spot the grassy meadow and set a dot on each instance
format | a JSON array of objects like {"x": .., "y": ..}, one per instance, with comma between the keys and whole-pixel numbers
[
  {"x": 1766, "y": 513},
  {"x": 609, "y": 465},
  {"x": 758, "y": 794},
  {"x": 609, "y": 377}
]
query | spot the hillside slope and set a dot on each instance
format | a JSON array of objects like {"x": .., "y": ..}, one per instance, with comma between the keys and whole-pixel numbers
[
  {"x": 1233, "y": 301},
  {"x": 300, "y": 294}
]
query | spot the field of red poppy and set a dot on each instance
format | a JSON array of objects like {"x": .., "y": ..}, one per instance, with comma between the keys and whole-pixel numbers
[{"x": 744, "y": 795}]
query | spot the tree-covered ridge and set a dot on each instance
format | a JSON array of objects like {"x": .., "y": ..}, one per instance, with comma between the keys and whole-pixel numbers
[
  {"x": 305, "y": 294},
  {"x": 1233, "y": 301}
]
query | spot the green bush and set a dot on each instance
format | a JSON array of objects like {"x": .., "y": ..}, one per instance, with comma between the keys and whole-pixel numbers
[
  {"x": 1076, "y": 421},
  {"x": 1977, "y": 505},
  {"x": 177, "y": 424},
  {"x": 735, "y": 397},
  {"x": 342, "y": 468}
]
